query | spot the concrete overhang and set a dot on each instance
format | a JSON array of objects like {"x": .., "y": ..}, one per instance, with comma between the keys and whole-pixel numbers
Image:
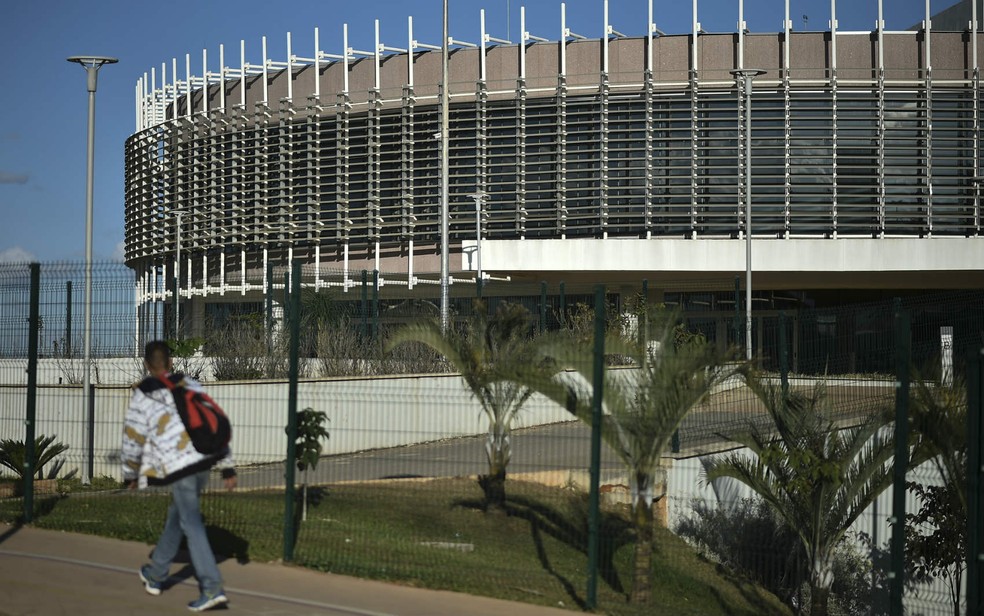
[{"x": 889, "y": 263}]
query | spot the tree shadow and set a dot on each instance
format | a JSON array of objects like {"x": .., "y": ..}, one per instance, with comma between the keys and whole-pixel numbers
[
  {"x": 42, "y": 506},
  {"x": 747, "y": 589},
  {"x": 569, "y": 528},
  {"x": 315, "y": 496},
  {"x": 13, "y": 530}
]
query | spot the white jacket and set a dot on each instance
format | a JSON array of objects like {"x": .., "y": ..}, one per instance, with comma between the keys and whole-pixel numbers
[{"x": 156, "y": 447}]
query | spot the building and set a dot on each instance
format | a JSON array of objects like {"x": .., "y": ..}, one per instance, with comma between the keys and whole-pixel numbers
[{"x": 582, "y": 160}]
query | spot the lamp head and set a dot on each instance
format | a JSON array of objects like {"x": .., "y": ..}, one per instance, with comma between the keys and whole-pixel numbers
[
  {"x": 95, "y": 61},
  {"x": 747, "y": 72},
  {"x": 91, "y": 65}
]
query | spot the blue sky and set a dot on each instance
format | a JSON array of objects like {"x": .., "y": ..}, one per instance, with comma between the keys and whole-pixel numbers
[{"x": 44, "y": 104}]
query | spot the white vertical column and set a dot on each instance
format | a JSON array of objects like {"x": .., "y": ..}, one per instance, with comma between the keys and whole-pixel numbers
[
  {"x": 188, "y": 85},
  {"x": 222, "y": 74},
  {"x": 880, "y": 26},
  {"x": 410, "y": 46},
  {"x": 153, "y": 95},
  {"x": 266, "y": 84},
  {"x": 741, "y": 30},
  {"x": 345, "y": 59},
  {"x": 481, "y": 56},
  {"x": 522, "y": 41},
  {"x": 649, "y": 38},
  {"x": 317, "y": 64},
  {"x": 696, "y": 29},
  {"x": 563, "y": 38},
  {"x": 174, "y": 79},
  {"x": 290, "y": 71},
  {"x": 242, "y": 265},
  {"x": 604, "y": 41},
  {"x": 375, "y": 56},
  {"x": 787, "y": 27},
  {"x": 205, "y": 81},
  {"x": 242, "y": 73}
]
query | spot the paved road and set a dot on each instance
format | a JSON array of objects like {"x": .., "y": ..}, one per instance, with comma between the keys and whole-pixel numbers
[{"x": 565, "y": 446}]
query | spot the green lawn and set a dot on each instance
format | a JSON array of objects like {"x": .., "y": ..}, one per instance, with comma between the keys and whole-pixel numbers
[{"x": 433, "y": 534}]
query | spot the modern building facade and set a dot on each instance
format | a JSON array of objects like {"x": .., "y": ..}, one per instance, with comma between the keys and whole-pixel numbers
[{"x": 609, "y": 159}]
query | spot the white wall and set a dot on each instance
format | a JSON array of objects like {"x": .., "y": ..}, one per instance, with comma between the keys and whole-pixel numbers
[{"x": 365, "y": 414}]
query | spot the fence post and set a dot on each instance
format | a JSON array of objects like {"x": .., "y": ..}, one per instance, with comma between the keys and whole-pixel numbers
[
  {"x": 34, "y": 323},
  {"x": 175, "y": 309},
  {"x": 902, "y": 351},
  {"x": 375, "y": 305},
  {"x": 269, "y": 306},
  {"x": 975, "y": 523},
  {"x": 365, "y": 304},
  {"x": 543, "y": 307},
  {"x": 294, "y": 307},
  {"x": 563, "y": 305},
  {"x": 598, "y": 378},
  {"x": 67, "y": 347},
  {"x": 783, "y": 353}
]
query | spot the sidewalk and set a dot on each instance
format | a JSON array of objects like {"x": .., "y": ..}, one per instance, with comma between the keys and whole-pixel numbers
[{"x": 53, "y": 573}]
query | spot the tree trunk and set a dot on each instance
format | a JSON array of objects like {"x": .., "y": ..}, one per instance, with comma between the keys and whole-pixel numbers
[
  {"x": 821, "y": 580},
  {"x": 304, "y": 498},
  {"x": 642, "y": 518},
  {"x": 493, "y": 485},
  {"x": 818, "y": 600}
]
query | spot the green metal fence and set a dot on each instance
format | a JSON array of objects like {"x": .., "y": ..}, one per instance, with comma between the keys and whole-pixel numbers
[{"x": 398, "y": 492}]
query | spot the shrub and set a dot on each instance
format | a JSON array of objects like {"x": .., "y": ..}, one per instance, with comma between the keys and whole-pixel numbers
[{"x": 13, "y": 455}]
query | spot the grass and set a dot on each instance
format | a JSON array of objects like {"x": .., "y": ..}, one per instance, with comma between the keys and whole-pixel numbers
[{"x": 434, "y": 534}]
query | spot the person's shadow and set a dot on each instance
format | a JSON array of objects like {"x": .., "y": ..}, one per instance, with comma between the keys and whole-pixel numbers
[{"x": 225, "y": 545}]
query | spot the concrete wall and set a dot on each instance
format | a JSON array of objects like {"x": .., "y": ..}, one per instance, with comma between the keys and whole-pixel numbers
[{"x": 365, "y": 414}]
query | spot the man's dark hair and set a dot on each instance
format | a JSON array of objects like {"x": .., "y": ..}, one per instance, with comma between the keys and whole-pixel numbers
[{"x": 157, "y": 353}]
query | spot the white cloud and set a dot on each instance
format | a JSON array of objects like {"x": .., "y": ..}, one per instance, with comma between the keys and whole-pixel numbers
[
  {"x": 16, "y": 254},
  {"x": 118, "y": 252}
]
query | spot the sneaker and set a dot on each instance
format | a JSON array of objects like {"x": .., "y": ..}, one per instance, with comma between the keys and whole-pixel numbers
[
  {"x": 152, "y": 586},
  {"x": 207, "y": 601}
]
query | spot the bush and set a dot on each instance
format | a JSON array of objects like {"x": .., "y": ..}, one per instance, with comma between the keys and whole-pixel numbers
[
  {"x": 750, "y": 539},
  {"x": 13, "y": 455}
]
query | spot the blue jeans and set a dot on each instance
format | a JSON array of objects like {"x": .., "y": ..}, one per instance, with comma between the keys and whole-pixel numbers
[{"x": 184, "y": 517}]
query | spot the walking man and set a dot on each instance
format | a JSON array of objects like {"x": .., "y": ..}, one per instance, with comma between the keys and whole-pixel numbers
[{"x": 157, "y": 451}]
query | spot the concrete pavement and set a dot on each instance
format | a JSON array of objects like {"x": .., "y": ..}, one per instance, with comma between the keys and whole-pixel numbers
[{"x": 52, "y": 573}]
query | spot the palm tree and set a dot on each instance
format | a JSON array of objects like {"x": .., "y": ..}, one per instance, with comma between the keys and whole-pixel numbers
[
  {"x": 939, "y": 414},
  {"x": 490, "y": 354},
  {"x": 643, "y": 405},
  {"x": 818, "y": 478}
]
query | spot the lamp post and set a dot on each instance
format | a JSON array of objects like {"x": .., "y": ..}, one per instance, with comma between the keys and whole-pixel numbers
[
  {"x": 91, "y": 64},
  {"x": 748, "y": 74},
  {"x": 479, "y": 198},
  {"x": 445, "y": 139}
]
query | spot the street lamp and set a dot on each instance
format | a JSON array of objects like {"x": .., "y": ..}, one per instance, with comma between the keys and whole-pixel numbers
[
  {"x": 91, "y": 64},
  {"x": 748, "y": 74},
  {"x": 445, "y": 140},
  {"x": 479, "y": 198}
]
